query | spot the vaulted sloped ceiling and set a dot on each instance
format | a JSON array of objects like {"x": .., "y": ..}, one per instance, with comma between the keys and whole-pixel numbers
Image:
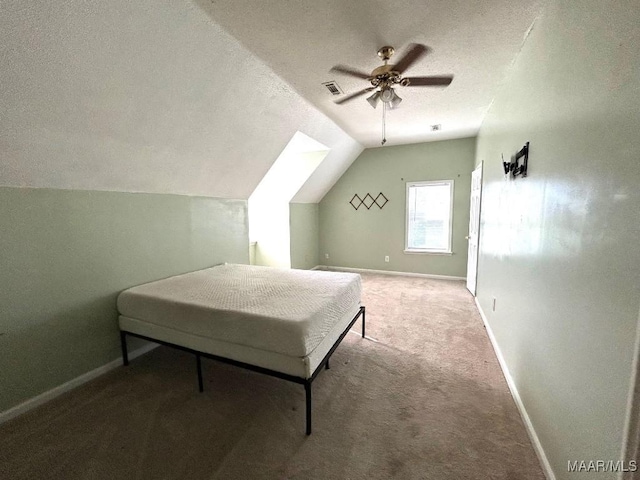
[
  {"x": 145, "y": 96},
  {"x": 301, "y": 40}
]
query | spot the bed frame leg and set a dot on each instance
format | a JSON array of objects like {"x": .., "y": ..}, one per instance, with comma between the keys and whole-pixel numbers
[
  {"x": 199, "y": 366},
  {"x": 307, "y": 391},
  {"x": 326, "y": 365},
  {"x": 363, "y": 321},
  {"x": 123, "y": 344}
]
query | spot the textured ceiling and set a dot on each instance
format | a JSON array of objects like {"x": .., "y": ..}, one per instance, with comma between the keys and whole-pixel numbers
[
  {"x": 199, "y": 97},
  {"x": 301, "y": 40},
  {"x": 146, "y": 96}
]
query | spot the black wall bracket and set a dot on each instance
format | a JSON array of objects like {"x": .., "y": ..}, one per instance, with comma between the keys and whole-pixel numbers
[{"x": 515, "y": 167}]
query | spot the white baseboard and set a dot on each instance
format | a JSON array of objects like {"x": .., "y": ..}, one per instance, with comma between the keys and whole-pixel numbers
[
  {"x": 533, "y": 436},
  {"x": 70, "y": 385},
  {"x": 388, "y": 272}
]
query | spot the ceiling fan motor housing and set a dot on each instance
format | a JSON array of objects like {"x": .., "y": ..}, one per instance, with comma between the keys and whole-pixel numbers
[{"x": 385, "y": 76}]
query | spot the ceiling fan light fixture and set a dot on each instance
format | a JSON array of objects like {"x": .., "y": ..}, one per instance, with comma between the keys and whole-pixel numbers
[
  {"x": 395, "y": 101},
  {"x": 391, "y": 98},
  {"x": 374, "y": 99}
]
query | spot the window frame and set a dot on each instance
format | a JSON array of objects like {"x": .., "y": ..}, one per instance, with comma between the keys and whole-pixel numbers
[{"x": 438, "y": 251}]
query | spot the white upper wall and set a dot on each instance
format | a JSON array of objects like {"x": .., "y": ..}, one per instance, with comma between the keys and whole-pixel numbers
[
  {"x": 146, "y": 96},
  {"x": 269, "y": 219}
]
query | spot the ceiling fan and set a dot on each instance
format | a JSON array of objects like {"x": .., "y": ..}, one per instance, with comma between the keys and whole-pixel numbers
[{"x": 384, "y": 78}]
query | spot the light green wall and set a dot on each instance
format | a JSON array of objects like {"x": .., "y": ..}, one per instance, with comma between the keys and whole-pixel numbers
[
  {"x": 252, "y": 253},
  {"x": 304, "y": 227},
  {"x": 362, "y": 238},
  {"x": 558, "y": 249},
  {"x": 66, "y": 254}
]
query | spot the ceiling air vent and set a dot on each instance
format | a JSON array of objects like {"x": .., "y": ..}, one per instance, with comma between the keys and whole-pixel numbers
[{"x": 333, "y": 88}]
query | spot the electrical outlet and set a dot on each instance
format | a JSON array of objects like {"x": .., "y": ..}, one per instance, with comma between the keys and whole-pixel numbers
[
  {"x": 326, "y": 255},
  {"x": 386, "y": 258},
  {"x": 493, "y": 304}
]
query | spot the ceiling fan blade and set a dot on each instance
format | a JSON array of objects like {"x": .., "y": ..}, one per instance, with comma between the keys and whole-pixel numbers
[
  {"x": 414, "y": 53},
  {"x": 353, "y": 95},
  {"x": 350, "y": 71},
  {"x": 442, "y": 81}
]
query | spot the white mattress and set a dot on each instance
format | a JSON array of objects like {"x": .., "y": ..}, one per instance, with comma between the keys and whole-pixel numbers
[
  {"x": 296, "y": 366},
  {"x": 285, "y": 312}
]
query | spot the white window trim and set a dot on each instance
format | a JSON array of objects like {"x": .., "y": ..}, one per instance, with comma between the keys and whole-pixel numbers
[{"x": 436, "y": 251}]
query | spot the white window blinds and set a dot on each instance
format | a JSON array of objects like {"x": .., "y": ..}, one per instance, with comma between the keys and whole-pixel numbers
[{"x": 429, "y": 216}]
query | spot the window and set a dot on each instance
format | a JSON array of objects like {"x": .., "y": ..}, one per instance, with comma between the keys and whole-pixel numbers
[{"x": 429, "y": 216}]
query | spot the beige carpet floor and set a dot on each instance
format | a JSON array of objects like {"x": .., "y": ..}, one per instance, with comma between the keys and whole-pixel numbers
[{"x": 424, "y": 398}]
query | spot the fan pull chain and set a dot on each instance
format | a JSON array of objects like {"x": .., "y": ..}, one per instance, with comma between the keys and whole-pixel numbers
[{"x": 384, "y": 121}]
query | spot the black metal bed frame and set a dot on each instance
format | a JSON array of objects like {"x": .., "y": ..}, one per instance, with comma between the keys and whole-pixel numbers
[{"x": 284, "y": 376}]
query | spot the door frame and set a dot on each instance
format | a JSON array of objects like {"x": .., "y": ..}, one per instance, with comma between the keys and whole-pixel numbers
[
  {"x": 631, "y": 446},
  {"x": 480, "y": 167}
]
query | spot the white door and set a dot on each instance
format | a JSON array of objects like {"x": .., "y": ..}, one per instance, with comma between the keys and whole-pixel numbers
[{"x": 474, "y": 229}]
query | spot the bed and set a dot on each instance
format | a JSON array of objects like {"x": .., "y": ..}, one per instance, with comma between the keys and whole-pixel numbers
[{"x": 280, "y": 322}]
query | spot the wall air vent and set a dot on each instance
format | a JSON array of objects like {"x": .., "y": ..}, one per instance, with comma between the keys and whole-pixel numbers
[{"x": 333, "y": 88}]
